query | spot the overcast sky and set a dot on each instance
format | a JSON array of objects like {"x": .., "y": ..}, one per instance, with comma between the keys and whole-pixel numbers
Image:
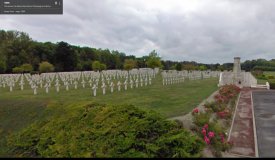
[{"x": 207, "y": 31}]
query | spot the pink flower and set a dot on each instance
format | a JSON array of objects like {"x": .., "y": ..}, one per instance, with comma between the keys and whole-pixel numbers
[
  {"x": 221, "y": 114},
  {"x": 211, "y": 134},
  {"x": 203, "y": 132},
  {"x": 196, "y": 110},
  {"x": 206, "y": 140},
  {"x": 205, "y": 126},
  {"x": 222, "y": 137}
]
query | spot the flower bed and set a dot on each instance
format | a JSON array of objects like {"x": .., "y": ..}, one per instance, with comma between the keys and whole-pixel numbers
[{"x": 212, "y": 123}]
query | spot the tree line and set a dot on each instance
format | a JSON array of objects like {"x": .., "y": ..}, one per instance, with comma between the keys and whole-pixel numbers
[{"x": 19, "y": 53}]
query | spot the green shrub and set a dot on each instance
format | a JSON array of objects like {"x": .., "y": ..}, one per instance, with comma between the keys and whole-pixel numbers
[
  {"x": 103, "y": 67},
  {"x": 27, "y": 68},
  {"x": 272, "y": 83},
  {"x": 3, "y": 66},
  {"x": 17, "y": 70},
  {"x": 96, "y": 65},
  {"x": 46, "y": 67},
  {"x": 270, "y": 77},
  {"x": 106, "y": 131},
  {"x": 212, "y": 132},
  {"x": 215, "y": 107},
  {"x": 263, "y": 77},
  {"x": 201, "y": 118},
  {"x": 218, "y": 142},
  {"x": 259, "y": 74},
  {"x": 129, "y": 64}
]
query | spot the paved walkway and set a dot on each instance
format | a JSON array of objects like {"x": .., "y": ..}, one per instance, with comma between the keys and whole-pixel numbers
[
  {"x": 242, "y": 132},
  {"x": 264, "y": 106}
]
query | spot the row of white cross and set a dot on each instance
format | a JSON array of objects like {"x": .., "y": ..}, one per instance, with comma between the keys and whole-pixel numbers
[
  {"x": 174, "y": 77},
  {"x": 134, "y": 78}
]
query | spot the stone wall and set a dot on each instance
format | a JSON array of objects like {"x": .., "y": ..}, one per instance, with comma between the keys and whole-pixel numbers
[{"x": 244, "y": 79}]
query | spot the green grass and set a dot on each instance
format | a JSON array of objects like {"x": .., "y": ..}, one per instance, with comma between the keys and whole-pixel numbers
[
  {"x": 269, "y": 73},
  {"x": 171, "y": 100},
  {"x": 261, "y": 81},
  {"x": 19, "y": 109},
  {"x": 266, "y": 73}
]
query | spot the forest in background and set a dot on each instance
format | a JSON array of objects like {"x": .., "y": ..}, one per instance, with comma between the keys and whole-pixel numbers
[{"x": 19, "y": 53}]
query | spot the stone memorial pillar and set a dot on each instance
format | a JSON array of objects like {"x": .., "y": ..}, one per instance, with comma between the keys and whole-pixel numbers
[{"x": 237, "y": 71}]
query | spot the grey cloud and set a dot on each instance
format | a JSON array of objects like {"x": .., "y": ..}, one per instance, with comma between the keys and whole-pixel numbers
[{"x": 208, "y": 31}]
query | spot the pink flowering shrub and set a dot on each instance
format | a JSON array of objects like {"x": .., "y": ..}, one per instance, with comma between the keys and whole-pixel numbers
[
  {"x": 226, "y": 97},
  {"x": 206, "y": 140},
  {"x": 207, "y": 135},
  {"x": 224, "y": 114},
  {"x": 200, "y": 118},
  {"x": 227, "y": 93},
  {"x": 214, "y": 136},
  {"x": 195, "y": 111},
  {"x": 212, "y": 133}
]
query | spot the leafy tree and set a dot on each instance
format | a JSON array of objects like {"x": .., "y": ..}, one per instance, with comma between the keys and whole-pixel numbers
[
  {"x": 189, "y": 67},
  {"x": 79, "y": 67},
  {"x": 173, "y": 67},
  {"x": 66, "y": 57},
  {"x": 228, "y": 66},
  {"x": 27, "y": 68},
  {"x": 96, "y": 65},
  {"x": 103, "y": 66},
  {"x": 220, "y": 68},
  {"x": 3, "y": 66},
  {"x": 46, "y": 67},
  {"x": 129, "y": 64},
  {"x": 178, "y": 66},
  {"x": 12, "y": 61},
  {"x": 202, "y": 67},
  {"x": 87, "y": 65},
  {"x": 153, "y": 61},
  {"x": 264, "y": 68},
  {"x": 17, "y": 48},
  {"x": 141, "y": 62}
]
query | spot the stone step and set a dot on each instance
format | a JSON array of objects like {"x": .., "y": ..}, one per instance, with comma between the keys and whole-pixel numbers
[{"x": 259, "y": 86}]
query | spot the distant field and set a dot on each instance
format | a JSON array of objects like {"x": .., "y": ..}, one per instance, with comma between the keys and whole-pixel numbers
[
  {"x": 19, "y": 109},
  {"x": 270, "y": 73},
  {"x": 261, "y": 81}
]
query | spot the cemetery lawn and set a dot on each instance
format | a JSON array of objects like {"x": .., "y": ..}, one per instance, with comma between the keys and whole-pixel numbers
[
  {"x": 171, "y": 100},
  {"x": 19, "y": 109}
]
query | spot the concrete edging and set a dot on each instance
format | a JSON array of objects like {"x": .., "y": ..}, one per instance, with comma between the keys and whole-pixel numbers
[
  {"x": 254, "y": 128},
  {"x": 229, "y": 134}
]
